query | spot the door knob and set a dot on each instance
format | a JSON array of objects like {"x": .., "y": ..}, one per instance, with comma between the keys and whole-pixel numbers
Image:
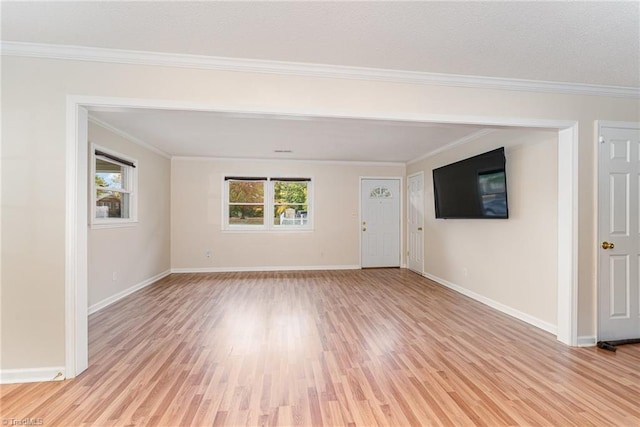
[
  {"x": 364, "y": 228},
  {"x": 607, "y": 245}
]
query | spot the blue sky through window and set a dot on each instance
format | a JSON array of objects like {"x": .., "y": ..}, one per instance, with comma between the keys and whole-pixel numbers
[{"x": 113, "y": 180}]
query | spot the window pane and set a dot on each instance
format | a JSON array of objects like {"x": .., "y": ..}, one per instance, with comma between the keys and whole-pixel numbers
[
  {"x": 246, "y": 191},
  {"x": 290, "y": 192},
  {"x": 290, "y": 215},
  {"x": 109, "y": 174},
  {"x": 112, "y": 204},
  {"x": 246, "y": 215}
]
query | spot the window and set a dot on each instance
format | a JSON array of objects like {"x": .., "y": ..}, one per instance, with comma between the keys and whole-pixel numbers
[
  {"x": 246, "y": 201},
  {"x": 113, "y": 188},
  {"x": 262, "y": 203},
  {"x": 290, "y": 202}
]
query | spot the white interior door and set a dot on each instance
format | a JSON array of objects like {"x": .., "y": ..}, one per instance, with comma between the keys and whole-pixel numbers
[
  {"x": 380, "y": 227},
  {"x": 415, "y": 222},
  {"x": 619, "y": 232}
]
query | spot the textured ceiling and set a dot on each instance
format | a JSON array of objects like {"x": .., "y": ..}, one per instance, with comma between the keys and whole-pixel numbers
[
  {"x": 590, "y": 43},
  {"x": 580, "y": 42}
]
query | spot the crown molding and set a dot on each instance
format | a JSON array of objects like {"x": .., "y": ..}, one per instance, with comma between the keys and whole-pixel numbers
[
  {"x": 127, "y": 136},
  {"x": 82, "y": 53},
  {"x": 275, "y": 160},
  {"x": 465, "y": 139}
]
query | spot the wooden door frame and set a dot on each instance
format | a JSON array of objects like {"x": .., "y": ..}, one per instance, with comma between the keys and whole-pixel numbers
[
  {"x": 599, "y": 124},
  {"x": 407, "y": 219},
  {"x": 402, "y": 195},
  {"x": 76, "y": 311}
]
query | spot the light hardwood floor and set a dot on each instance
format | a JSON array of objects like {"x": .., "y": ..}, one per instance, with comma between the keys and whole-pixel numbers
[{"x": 357, "y": 348}]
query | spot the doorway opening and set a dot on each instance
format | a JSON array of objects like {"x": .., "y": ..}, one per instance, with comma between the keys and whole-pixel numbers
[{"x": 76, "y": 310}]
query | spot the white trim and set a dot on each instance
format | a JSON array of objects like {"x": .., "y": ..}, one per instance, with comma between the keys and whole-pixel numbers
[
  {"x": 76, "y": 337},
  {"x": 272, "y": 160},
  {"x": 119, "y": 56},
  {"x": 129, "y": 186},
  {"x": 101, "y": 225},
  {"x": 32, "y": 375},
  {"x": 567, "y": 275},
  {"x": 76, "y": 265},
  {"x": 128, "y": 137},
  {"x": 325, "y": 113},
  {"x": 596, "y": 178},
  {"x": 538, "y": 323},
  {"x": 586, "y": 341},
  {"x": 117, "y": 297},
  {"x": 465, "y": 139},
  {"x": 268, "y": 268},
  {"x": 619, "y": 125}
]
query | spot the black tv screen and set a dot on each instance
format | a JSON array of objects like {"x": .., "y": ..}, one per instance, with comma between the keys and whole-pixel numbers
[{"x": 472, "y": 188}]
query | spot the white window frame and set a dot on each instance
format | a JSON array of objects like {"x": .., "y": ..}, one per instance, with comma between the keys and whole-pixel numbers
[
  {"x": 226, "y": 205},
  {"x": 129, "y": 186},
  {"x": 269, "y": 205}
]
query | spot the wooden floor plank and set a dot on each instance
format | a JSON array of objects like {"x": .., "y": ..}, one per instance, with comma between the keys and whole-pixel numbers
[{"x": 346, "y": 348}]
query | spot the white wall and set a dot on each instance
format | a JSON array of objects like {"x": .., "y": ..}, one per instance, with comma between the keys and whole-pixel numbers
[
  {"x": 34, "y": 95},
  {"x": 510, "y": 261},
  {"x": 139, "y": 252},
  {"x": 196, "y": 216}
]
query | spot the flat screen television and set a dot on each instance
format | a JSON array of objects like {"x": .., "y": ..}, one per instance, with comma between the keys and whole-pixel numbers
[{"x": 472, "y": 188}]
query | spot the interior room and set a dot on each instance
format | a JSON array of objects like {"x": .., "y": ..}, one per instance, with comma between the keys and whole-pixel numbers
[{"x": 381, "y": 221}]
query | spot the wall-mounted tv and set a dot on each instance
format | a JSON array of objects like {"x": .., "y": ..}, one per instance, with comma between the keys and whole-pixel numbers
[{"x": 472, "y": 188}]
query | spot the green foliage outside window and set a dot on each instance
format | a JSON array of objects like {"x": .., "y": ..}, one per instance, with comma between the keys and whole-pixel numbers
[
  {"x": 286, "y": 194},
  {"x": 246, "y": 202}
]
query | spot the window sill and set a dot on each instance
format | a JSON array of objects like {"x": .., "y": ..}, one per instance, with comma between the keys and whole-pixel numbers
[
  {"x": 268, "y": 230},
  {"x": 123, "y": 224}
]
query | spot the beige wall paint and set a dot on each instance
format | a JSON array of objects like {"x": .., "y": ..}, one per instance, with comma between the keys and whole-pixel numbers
[
  {"x": 139, "y": 252},
  {"x": 512, "y": 261},
  {"x": 196, "y": 216},
  {"x": 34, "y": 95}
]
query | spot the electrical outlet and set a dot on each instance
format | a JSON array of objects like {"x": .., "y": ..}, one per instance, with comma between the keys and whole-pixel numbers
[
  {"x": 114, "y": 276},
  {"x": 207, "y": 254},
  {"x": 465, "y": 271}
]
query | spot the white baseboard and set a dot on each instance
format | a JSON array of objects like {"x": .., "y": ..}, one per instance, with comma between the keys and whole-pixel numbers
[
  {"x": 586, "y": 341},
  {"x": 108, "y": 301},
  {"x": 277, "y": 268},
  {"x": 32, "y": 375},
  {"x": 545, "y": 326},
  {"x": 270, "y": 268}
]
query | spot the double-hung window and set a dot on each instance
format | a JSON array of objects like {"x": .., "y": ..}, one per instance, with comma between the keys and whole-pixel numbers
[
  {"x": 267, "y": 203},
  {"x": 245, "y": 201},
  {"x": 290, "y": 202},
  {"x": 113, "y": 188}
]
